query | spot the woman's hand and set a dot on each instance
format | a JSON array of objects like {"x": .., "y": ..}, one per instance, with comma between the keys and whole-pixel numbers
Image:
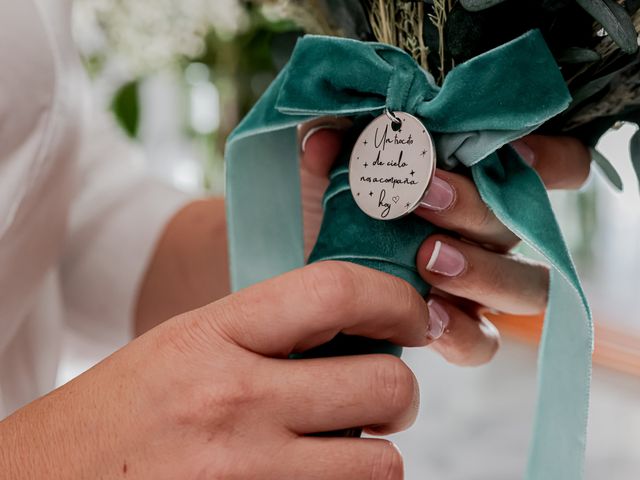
[
  {"x": 211, "y": 393},
  {"x": 473, "y": 271},
  {"x": 476, "y": 272}
]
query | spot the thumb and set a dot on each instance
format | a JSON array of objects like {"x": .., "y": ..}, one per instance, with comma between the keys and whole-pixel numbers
[{"x": 309, "y": 306}]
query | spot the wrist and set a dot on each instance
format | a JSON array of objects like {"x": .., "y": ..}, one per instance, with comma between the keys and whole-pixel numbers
[{"x": 92, "y": 427}]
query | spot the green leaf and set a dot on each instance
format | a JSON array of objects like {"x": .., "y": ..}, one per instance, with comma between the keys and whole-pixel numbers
[
  {"x": 578, "y": 55},
  {"x": 593, "y": 87},
  {"x": 609, "y": 170},
  {"x": 477, "y": 5},
  {"x": 615, "y": 20},
  {"x": 126, "y": 108},
  {"x": 634, "y": 150}
]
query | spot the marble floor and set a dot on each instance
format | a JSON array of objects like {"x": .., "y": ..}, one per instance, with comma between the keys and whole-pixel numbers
[{"x": 474, "y": 424}]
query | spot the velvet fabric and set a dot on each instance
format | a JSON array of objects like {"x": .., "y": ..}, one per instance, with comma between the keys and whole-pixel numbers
[
  {"x": 347, "y": 233},
  {"x": 484, "y": 103}
]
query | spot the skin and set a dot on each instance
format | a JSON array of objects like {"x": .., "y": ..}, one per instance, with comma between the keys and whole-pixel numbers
[
  {"x": 494, "y": 278},
  {"x": 220, "y": 400},
  {"x": 210, "y": 394}
]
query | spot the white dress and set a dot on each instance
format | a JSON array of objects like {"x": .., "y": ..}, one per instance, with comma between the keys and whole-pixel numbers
[{"x": 78, "y": 215}]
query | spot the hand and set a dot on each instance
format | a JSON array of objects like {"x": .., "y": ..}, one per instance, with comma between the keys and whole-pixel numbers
[
  {"x": 209, "y": 394},
  {"x": 470, "y": 273}
]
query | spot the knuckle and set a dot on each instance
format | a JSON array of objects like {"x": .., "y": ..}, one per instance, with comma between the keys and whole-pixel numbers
[
  {"x": 219, "y": 406},
  {"x": 472, "y": 212},
  {"x": 473, "y": 350},
  {"x": 330, "y": 283},
  {"x": 406, "y": 295},
  {"x": 494, "y": 346},
  {"x": 388, "y": 463},
  {"x": 396, "y": 385},
  {"x": 492, "y": 335},
  {"x": 466, "y": 355},
  {"x": 482, "y": 218},
  {"x": 191, "y": 332},
  {"x": 480, "y": 353},
  {"x": 230, "y": 321},
  {"x": 494, "y": 276},
  {"x": 578, "y": 156},
  {"x": 235, "y": 395},
  {"x": 483, "y": 278},
  {"x": 461, "y": 351}
]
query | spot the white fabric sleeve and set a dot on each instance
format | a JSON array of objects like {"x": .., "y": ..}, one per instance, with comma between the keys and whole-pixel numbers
[{"x": 119, "y": 213}]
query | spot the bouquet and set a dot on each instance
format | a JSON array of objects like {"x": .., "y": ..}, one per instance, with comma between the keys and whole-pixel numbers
[{"x": 424, "y": 82}]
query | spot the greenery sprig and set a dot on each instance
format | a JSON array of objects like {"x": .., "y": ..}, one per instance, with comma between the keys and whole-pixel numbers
[{"x": 595, "y": 42}]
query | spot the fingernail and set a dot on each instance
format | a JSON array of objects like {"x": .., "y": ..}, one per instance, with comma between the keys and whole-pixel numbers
[
  {"x": 524, "y": 151},
  {"x": 438, "y": 320},
  {"x": 439, "y": 196},
  {"x": 313, "y": 131},
  {"x": 446, "y": 260}
]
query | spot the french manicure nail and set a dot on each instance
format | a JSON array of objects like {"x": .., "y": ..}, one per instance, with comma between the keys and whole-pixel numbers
[
  {"x": 439, "y": 196},
  {"x": 524, "y": 151},
  {"x": 446, "y": 260},
  {"x": 438, "y": 320},
  {"x": 312, "y": 132}
]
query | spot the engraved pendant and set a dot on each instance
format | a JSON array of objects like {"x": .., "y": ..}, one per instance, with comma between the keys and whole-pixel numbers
[{"x": 391, "y": 166}]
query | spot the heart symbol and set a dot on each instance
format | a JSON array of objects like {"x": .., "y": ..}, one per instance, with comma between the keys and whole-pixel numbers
[{"x": 396, "y": 199}]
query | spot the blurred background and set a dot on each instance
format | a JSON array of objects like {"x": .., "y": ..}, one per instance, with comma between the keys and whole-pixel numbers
[{"x": 179, "y": 74}]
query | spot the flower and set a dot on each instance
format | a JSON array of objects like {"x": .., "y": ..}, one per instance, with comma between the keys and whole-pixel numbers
[{"x": 150, "y": 34}]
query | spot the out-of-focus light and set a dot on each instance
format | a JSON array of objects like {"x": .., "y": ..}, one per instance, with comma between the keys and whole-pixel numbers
[
  {"x": 187, "y": 175},
  {"x": 205, "y": 108},
  {"x": 196, "y": 73},
  {"x": 153, "y": 34}
]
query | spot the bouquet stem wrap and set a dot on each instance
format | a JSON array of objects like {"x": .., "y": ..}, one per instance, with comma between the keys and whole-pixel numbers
[
  {"x": 348, "y": 234},
  {"x": 483, "y": 104}
]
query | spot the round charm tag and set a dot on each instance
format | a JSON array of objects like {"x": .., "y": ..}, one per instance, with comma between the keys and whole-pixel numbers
[{"x": 391, "y": 166}]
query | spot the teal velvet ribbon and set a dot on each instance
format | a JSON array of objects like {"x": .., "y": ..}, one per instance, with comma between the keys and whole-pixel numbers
[{"x": 483, "y": 104}]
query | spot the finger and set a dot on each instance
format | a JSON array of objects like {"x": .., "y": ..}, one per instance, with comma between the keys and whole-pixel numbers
[
  {"x": 320, "y": 143},
  {"x": 325, "y": 395},
  {"x": 453, "y": 203},
  {"x": 339, "y": 459},
  {"x": 561, "y": 162},
  {"x": 505, "y": 282},
  {"x": 309, "y": 306},
  {"x": 312, "y": 189},
  {"x": 466, "y": 337}
]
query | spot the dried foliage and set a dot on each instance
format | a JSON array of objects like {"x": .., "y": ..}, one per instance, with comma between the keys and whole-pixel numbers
[
  {"x": 400, "y": 23},
  {"x": 594, "y": 42}
]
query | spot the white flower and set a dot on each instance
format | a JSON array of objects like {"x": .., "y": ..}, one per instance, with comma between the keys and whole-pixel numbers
[{"x": 149, "y": 34}]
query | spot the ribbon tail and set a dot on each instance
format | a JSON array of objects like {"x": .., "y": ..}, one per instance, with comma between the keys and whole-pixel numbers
[
  {"x": 517, "y": 196},
  {"x": 264, "y": 212}
]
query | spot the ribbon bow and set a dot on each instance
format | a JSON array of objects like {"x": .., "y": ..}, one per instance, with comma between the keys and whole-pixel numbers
[
  {"x": 483, "y": 104},
  {"x": 477, "y": 120}
]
